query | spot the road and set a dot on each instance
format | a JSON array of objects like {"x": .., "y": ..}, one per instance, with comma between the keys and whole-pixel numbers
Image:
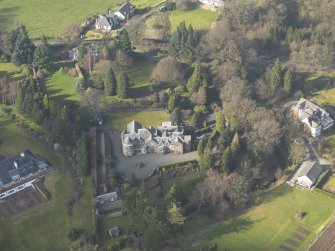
[{"x": 128, "y": 165}]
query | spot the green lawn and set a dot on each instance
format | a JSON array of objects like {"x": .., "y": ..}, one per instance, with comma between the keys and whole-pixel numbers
[
  {"x": 119, "y": 121},
  {"x": 105, "y": 224},
  {"x": 61, "y": 87},
  {"x": 10, "y": 70},
  {"x": 320, "y": 85},
  {"x": 199, "y": 18},
  {"x": 46, "y": 17},
  {"x": 267, "y": 225},
  {"x": 46, "y": 227},
  {"x": 139, "y": 74}
]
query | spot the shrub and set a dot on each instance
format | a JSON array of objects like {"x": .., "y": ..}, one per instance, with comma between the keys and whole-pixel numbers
[{"x": 74, "y": 234}]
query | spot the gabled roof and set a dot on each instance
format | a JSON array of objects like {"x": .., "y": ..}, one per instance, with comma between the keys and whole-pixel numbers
[
  {"x": 102, "y": 21},
  {"x": 133, "y": 127},
  {"x": 106, "y": 197},
  {"x": 126, "y": 7},
  {"x": 310, "y": 169}
]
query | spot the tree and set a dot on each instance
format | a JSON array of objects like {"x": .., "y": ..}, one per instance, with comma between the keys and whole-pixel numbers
[
  {"x": 226, "y": 161},
  {"x": 124, "y": 42},
  {"x": 175, "y": 216},
  {"x": 288, "y": 81},
  {"x": 42, "y": 58},
  {"x": 168, "y": 70},
  {"x": 220, "y": 122},
  {"x": 264, "y": 135},
  {"x": 23, "y": 49},
  {"x": 110, "y": 82},
  {"x": 132, "y": 180},
  {"x": 70, "y": 34},
  {"x": 175, "y": 115},
  {"x": 275, "y": 75},
  {"x": 196, "y": 121},
  {"x": 173, "y": 101},
  {"x": 197, "y": 80},
  {"x": 123, "y": 85},
  {"x": 201, "y": 148}
]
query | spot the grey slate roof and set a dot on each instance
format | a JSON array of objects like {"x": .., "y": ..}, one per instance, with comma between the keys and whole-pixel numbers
[
  {"x": 106, "y": 198},
  {"x": 102, "y": 20},
  {"x": 126, "y": 7},
  {"x": 19, "y": 166},
  {"x": 310, "y": 169}
]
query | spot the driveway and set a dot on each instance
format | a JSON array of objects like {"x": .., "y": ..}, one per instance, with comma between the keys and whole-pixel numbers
[{"x": 128, "y": 165}]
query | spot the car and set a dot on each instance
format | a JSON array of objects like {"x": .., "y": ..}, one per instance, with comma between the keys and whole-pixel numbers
[{"x": 163, "y": 9}]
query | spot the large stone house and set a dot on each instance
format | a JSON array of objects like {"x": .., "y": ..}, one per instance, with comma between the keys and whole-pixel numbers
[
  {"x": 215, "y": 3},
  {"x": 307, "y": 175},
  {"x": 21, "y": 171},
  {"x": 314, "y": 117},
  {"x": 163, "y": 139}
]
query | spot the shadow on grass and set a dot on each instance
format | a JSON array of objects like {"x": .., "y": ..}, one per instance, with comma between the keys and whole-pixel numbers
[
  {"x": 62, "y": 98},
  {"x": 234, "y": 225},
  {"x": 271, "y": 195},
  {"x": 318, "y": 83}
]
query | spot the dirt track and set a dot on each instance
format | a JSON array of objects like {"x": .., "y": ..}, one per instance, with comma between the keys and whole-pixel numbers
[{"x": 326, "y": 242}]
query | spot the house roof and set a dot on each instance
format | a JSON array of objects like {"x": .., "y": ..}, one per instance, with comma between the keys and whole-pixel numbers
[
  {"x": 19, "y": 166},
  {"x": 106, "y": 197},
  {"x": 133, "y": 127},
  {"x": 310, "y": 169},
  {"x": 114, "y": 231},
  {"x": 103, "y": 21},
  {"x": 126, "y": 7}
]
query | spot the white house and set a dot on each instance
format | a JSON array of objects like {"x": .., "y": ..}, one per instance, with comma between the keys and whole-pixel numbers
[
  {"x": 107, "y": 22},
  {"x": 215, "y": 3},
  {"x": 307, "y": 174},
  {"x": 314, "y": 117},
  {"x": 126, "y": 11}
]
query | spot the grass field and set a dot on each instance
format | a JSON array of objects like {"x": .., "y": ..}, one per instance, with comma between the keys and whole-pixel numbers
[
  {"x": 267, "y": 225},
  {"x": 46, "y": 227},
  {"x": 320, "y": 85},
  {"x": 10, "y": 70},
  {"x": 46, "y": 17},
  {"x": 105, "y": 224},
  {"x": 199, "y": 18},
  {"x": 61, "y": 87},
  {"x": 118, "y": 121},
  {"x": 139, "y": 74}
]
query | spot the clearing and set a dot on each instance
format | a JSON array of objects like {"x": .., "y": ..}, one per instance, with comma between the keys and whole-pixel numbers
[
  {"x": 46, "y": 227},
  {"x": 199, "y": 18},
  {"x": 272, "y": 223}
]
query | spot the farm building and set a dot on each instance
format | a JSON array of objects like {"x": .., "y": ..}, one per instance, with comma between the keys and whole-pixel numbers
[
  {"x": 314, "y": 117},
  {"x": 163, "y": 139},
  {"x": 307, "y": 175},
  {"x": 21, "y": 171}
]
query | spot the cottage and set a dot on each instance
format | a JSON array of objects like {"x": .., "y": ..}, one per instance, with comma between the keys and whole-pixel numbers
[
  {"x": 106, "y": 22},
  {"x": 21, "y": 171},
  {"x": 307, "y": 174},
  {"x": 126, "y": 11},
  {"x": 314, "y": 117},
  {"x": 163, "y": 139}
]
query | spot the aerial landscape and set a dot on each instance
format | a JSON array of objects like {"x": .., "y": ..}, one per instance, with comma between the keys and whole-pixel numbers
[{"x": 162, "y": 125}]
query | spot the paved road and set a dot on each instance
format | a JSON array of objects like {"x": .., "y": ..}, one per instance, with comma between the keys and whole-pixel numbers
[
  {"x": 103, "y": 165},
  {"x": 128, "y": 165}
]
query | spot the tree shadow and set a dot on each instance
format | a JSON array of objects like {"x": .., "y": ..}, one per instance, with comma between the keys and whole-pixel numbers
[
  {"x": 235, "y": 225},
  {"x": 271, "y": 195}
]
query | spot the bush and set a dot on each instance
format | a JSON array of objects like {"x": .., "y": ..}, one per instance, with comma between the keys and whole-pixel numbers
[
  {"x": 4, "y": 58},
  {"x": 74, "y": 234},
  {"x": 186, "y": 4}
]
